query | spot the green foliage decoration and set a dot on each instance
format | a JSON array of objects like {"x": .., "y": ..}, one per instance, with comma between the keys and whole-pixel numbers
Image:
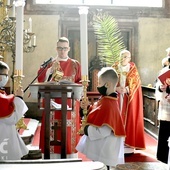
[{"x": 109, "y": 39}]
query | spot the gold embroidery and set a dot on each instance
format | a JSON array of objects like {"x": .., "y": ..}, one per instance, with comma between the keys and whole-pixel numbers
[
  {"x": 124, "y": 73},
  {"x": 133, "y": 79}
]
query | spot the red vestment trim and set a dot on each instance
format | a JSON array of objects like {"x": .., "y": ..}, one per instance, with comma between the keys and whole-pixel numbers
[
  {"x": 106, "y": 112},
  {"x": 6, "y": 104},
  {"x": 132, "y": 111}
]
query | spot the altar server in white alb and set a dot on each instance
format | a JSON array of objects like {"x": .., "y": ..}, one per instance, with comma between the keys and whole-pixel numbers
[
  {"x": 104, "y": 133},
  {"x": 162, "y": 94},
  {"x": 12, "y": 108}
]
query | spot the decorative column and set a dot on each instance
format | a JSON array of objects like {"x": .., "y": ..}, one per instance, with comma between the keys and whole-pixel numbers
[
  {"x": 19, "y": 42},
  {"x": 19, "y": 4},
  {"x": 83, "y": 11}
]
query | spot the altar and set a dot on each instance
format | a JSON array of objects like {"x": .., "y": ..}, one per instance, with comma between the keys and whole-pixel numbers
[
  {"x": 63, "y": 164},
  {"x": 52, "y": 90}
]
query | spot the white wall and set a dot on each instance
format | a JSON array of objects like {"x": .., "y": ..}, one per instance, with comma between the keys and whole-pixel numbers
[
  {"x": 45, "y": 28},
  {"x": 153, "y": 40}
]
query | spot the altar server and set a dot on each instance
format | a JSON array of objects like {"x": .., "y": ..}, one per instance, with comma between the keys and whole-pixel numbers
[{"x": 12, "y": 108}]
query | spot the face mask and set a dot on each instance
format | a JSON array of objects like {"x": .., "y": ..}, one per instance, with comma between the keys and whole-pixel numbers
[
  {"x": 102, "y": 90},
  {"x": 3, "y": 81}
]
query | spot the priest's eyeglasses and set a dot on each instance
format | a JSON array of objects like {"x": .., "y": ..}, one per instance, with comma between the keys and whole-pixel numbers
[
  {"x": 62, "y": 48},
  {"x": 6, "y": 75}
]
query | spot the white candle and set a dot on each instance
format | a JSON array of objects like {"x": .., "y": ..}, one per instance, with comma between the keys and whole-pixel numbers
[
  {"x": 83, "y": 11},
  {"x": 30, "y": 24},
  {"x": 34, "y": 40},
  {"x": 13, "y": 9},
  {"x": 8, "y": 2},
  {"x": 19, "y": 37}
]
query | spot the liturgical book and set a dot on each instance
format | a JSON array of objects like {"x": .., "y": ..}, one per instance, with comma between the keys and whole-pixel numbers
[{"x": 164, "y": 76}]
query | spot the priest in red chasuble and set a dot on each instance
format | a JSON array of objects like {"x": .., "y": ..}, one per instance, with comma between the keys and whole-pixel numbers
[
  {"x": 131, "y": 102},
  {"x": 69, "y": 69}
]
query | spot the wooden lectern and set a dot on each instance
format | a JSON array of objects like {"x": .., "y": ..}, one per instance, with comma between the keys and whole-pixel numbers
[{"x": 52, "y": 90}]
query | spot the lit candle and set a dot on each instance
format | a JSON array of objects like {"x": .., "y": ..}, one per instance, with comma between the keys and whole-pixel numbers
[
  {"x": 8, "y": 2},
  {"x": 34, "y": 40},
  {"x": 19, "y": 36},
  {"x": 83, "y": 11},
  {"x": 13, "y": 9},
  {"x": 30, "y": 24}
]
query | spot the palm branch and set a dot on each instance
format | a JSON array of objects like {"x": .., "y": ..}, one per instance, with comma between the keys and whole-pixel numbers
[{"x": 109, "y": 39}]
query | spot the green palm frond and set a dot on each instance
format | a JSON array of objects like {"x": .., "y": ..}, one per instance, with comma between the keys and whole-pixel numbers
[{"x": 109, "y": 39}]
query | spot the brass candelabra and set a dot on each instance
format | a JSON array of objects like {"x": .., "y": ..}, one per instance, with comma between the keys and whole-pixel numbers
[
  {"x": 8, "y": 36},
  {"x": 8, "y": 33},
  {"x": 85, "y": 83},
  {"x": 8, "y": 43},
  {"x": 18, "y": 83}
]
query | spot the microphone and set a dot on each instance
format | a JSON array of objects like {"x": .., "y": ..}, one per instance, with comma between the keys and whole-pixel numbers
[{"x": 46, "y": 62}]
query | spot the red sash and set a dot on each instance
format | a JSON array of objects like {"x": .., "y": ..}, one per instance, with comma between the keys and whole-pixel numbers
[{"x": 6, "y": 104}]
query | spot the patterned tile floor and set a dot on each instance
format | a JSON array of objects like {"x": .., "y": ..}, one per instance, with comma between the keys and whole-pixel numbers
[{"x": 142, "y": 166}]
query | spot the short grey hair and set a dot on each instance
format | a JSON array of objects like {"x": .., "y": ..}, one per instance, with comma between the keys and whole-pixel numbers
[{"x": 108, "y": 74}]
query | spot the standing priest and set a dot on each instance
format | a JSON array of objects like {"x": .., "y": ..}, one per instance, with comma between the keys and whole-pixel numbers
[{"x": 69, "y": 69}]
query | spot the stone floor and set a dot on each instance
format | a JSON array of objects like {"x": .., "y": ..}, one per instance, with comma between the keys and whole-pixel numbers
[{"x": 142, "y": 166}]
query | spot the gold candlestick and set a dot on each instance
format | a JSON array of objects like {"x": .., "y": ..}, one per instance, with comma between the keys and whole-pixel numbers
[
  {"x": 18, "y": 79},
  {"x": 85, "y": 82},
  {"x": 18, "y": 83}
]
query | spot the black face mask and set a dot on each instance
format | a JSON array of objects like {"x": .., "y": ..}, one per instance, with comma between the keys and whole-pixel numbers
[{"x": 102, "y": 90}]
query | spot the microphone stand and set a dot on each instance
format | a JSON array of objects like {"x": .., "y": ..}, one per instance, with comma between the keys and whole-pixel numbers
[
  {"x": 20, "y": 124},
  {"x": 44, "y": 67}
]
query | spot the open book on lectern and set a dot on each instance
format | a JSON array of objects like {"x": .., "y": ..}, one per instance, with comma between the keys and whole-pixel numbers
[{"x": 57, "y": 105}]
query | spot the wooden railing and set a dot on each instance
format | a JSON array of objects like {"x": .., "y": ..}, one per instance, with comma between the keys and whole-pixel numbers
[{"x": 150, "y": 108}]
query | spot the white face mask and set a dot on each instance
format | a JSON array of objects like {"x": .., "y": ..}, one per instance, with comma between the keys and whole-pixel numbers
[{"x": 4, "y": 80}]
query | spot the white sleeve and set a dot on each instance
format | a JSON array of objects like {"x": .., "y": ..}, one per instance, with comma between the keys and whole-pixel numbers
[
  {"x": 95, "y": 133},
  {"x": 158, "y": 94},
  {"x": 19, "y": 110}
]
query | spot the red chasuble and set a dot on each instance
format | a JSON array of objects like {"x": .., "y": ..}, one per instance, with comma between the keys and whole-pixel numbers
[
  {"x": 69, "y": 68},
  {"x": 132, "y": 111},
  {"x": 6, "y": 104},
  {"x": 106, "y": 112}
]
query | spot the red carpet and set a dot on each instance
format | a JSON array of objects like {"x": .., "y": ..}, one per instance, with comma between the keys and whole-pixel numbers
[
  {"x": 36, "y": 138},
  {"x": 147, "y": 155}
]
